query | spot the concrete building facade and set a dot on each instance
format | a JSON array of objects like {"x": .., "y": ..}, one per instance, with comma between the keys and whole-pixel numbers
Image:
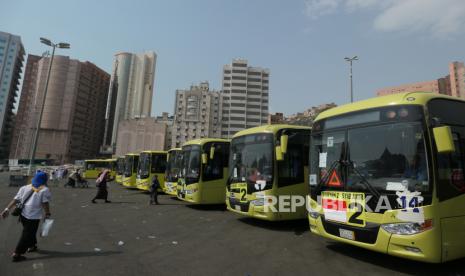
[
  {"x": 136, "y": 135},
  {"x": 452, "y": 84},
  {"x": 11, "y": 63},
  {"x": 168, "y": 120},
  {"x": 457, "y": 79},
  {"x": 73, "y": 118},
  {"x": 130, "y": 92},
  {"x": 197, "y": 114},
  {"x": 246, "y": 97}
]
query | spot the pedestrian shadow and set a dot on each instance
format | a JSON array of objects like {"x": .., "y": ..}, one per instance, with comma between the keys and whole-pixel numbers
[
  {"x": 398, "y": 264},
  {"x": 299, "y": 227},
  {"x": 209, "y": 207},
  {"x": 120, "y": 202},
  {"x": 50, "y": 254}
]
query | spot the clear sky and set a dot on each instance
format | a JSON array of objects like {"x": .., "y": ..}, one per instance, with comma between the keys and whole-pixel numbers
[{"x": 302, "y": 42}]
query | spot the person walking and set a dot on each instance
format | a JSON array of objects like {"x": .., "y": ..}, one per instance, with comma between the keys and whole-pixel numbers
[
  {"x": 154, "y": 190},
  {"x": 101, "y": 182},
  {"x": 35, "y": 200}
]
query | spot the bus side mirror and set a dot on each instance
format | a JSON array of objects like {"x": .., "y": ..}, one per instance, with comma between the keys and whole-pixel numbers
[
  {"x": 204, "y": 158},
  {"x": 279, "y": 153},
  {"x": 443, "y": 139},
  {"x": 283, "y": 142},
  {"x": 212, "y": 152}
]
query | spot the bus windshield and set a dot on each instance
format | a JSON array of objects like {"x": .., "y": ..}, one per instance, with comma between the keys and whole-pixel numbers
[
  {"x": 128, "y": 162},
  {"x": 191, "y": 163},
  {"x": 173, "y": 166},
  {"x": 381, "y": 158},
  {"x": 144, "y": 165},
  {"x": 251, "y": 159}
]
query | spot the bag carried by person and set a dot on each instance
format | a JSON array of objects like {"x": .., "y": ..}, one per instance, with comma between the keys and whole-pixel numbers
[
  {"x": 46, "y": 226},
  {"x": 20, "y": 205}
]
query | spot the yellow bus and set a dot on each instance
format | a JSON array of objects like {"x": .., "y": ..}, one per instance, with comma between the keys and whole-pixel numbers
[
  {"x": 112, "y": 167},
  {"x": 119, "y": 169},
  {"x": 270, "y": 160},
  {"x": 131, "y": 163},
  {"x": 151, "y": 163},
  {"x": 93, "y": 167},
  {"x": 204, "y": 171},
  {"x": 387, "y": 174},
  {"x": 173, "y": 167}
]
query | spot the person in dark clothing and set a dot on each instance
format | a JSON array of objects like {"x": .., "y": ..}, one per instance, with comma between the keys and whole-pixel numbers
[
  {"x": 101, "y": 181},
  {"x": 154, "y": 190}
]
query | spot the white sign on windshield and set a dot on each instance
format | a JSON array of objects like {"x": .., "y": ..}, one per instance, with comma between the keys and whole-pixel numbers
[
  {"x": 330, "y": 142},
  {"x": 323, "y": 156}
]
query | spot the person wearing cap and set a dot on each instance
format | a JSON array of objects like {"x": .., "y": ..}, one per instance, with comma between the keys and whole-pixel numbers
[{"x": 35, "y": 199}]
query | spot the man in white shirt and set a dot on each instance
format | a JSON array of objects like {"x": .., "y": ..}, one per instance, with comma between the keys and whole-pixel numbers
[{"x": 35, "y": 199}]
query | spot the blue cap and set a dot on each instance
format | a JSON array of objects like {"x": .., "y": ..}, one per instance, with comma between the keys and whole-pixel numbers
[{"x": 39, "y": 179}]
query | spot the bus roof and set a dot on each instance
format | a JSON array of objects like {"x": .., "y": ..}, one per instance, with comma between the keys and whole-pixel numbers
[
  {"x": 174, "y": 149},
  {"x": 131, "y": 154},
  {"x": 202, "y": 141},
  {"x": 154, "y": 151},
  {"x": 415, "y": 98},
  {"x": 96, "y": 160},
  {"x": 268, "y": 129}
]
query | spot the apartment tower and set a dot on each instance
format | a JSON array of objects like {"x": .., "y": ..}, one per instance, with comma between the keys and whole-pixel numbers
[
  {"x": 74, "y": 112},
  {"x": 246, "y": 97},
  {"x": 11, "y": 63},
  {"x": 197, "y": 114}
]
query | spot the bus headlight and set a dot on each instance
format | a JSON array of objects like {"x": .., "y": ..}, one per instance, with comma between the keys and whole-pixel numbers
[
  {"x": 407, "y": 228},
  {"x": 258, "y": 202},
  {"x": 314, "y": 215}
]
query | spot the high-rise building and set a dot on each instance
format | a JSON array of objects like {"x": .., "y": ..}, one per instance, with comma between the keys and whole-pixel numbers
[
  {"x": 246, "y": 97},
  {"x": 26, "y": 101},
  {"x": 11, "y": 63},
  {"x": 74, "y": 112},
  {"x": 452, "y": 84},
  {"x": 130, "y": 92},
  {"x": 197, "y": 114}
]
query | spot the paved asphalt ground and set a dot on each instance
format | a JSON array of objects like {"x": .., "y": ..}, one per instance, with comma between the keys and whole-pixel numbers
[{"x": 175, "y": 238}]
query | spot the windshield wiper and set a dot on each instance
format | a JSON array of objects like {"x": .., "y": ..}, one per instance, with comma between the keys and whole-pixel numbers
[{"x": 364, "y": 180}]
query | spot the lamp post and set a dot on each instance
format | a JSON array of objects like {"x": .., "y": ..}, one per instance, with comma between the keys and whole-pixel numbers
[
  {"x": 351, "y": 81},
  {"x": 61, "y": 45}
]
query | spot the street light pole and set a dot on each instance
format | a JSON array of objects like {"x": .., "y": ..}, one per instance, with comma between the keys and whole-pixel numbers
[
  {"x": 39, "y": 120},
  {"x": 350, "y": 60}
]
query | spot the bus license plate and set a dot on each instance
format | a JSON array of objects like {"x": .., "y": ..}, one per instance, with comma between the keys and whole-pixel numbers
[{"x": 346, "y": 234}]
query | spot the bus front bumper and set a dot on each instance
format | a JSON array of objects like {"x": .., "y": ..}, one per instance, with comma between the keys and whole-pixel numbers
[
  {"x": 170, "y": 188},
  {"x": 248, "y": 209},
  {"x": 424, "y": 246},
  {"x": 143, "y": 184},
  {"x": 129, "y": 182}
]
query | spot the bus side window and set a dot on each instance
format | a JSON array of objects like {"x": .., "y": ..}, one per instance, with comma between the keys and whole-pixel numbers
[
  {"x": 451, "y": 168},
  {"x": 213, "y": 170},
  {"x": 291, "y": 169}
]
